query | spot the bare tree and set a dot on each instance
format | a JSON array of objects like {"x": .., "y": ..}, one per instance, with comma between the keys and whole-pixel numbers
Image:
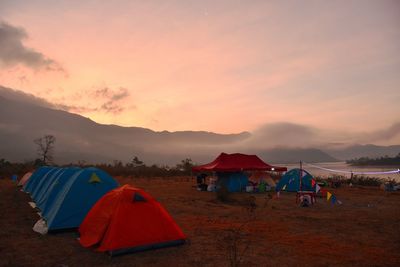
[{"x": 45, "y": 148}]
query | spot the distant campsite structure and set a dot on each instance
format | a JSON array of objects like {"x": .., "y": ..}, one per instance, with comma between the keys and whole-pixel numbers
[{"x": 231, "y": 170}]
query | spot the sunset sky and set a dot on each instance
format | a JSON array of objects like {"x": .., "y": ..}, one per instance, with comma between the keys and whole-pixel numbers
[{"x": 222, "y": 66}]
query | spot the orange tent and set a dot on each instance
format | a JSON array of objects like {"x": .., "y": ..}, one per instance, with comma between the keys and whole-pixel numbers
[{"x": 127, "y": 219}]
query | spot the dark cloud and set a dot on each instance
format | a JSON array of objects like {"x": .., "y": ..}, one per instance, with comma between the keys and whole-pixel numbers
[
  {"x": 111, "y": 98},
  {"x": 102, "y": 92},
  {"x": 24, "y": 97},
  {"x": 111, "y": 107},
  {"x": 13, "y": 51},
  {"x": 114, "y": 95},
  {"x": 75, "y": 109}
]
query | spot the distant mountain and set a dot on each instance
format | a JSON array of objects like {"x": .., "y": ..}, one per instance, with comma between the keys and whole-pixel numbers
[
  {"x": 24, "y": 118},
  {"x": 79, "y": 138}
]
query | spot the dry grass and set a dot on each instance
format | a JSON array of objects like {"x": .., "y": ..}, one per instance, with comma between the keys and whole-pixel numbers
[{"x": 364, "y": 231}]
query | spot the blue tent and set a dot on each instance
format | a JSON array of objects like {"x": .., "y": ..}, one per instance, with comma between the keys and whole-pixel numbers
[
  {"x": 76, "y": 198},
  {"x": 43, "y": 183},
  {"x": 35, "y": 178},
  {"x": 233, "y": 181},
  {"x": 48, "y": 197},
  {"x": 290, "y": 181}
]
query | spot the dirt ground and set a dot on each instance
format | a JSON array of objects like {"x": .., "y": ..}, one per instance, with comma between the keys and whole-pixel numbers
[{"x": 363, "y": 231}]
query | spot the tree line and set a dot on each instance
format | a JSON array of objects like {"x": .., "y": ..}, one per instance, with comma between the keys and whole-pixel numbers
[
  {"x": 117, "y": 168},
  {"x": 382, "y": 161},
  {"x": 134, "y": 168}
]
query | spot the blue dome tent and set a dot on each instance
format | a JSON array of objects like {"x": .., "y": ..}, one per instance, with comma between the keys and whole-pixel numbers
[
  {"x": 290, "y": 181},
  {"x": 44, "y": 182},
  {"x": 35, "y": 178},
  {"x": 76, "y": 198},
  {"x": 49, "y": 196}
]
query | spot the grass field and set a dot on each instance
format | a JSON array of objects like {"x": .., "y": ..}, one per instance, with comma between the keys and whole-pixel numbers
[{"x": 363, "y": 231}]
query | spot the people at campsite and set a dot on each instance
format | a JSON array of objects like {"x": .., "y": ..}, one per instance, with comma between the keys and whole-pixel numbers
[
  {"x": 212, "y": 187},
  {"x": 201, "y": 182}
]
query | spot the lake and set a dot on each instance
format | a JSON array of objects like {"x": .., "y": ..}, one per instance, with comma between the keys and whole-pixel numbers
[{"x": 345, "y": 167}]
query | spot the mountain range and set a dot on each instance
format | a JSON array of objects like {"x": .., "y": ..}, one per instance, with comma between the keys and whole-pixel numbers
[{"x": 24, "y": 118}]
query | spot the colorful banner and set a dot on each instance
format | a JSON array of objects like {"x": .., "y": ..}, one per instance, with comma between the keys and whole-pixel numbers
[
  {"x": 317, "y": 188},
  {"x": 332, "y": 198},
  {"x": 328, "y": 196}
]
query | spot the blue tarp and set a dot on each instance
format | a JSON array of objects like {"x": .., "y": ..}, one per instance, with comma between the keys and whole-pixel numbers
[
  {"x": 291, "y": 180},
  {"x": 233, "y": 181},
  {"x": 76, "y": 198}
]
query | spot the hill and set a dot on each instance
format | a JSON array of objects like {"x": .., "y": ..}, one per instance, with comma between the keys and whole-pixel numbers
[
  {"x": 81, "y": 139},
  {"x": 24, "y": 117}
]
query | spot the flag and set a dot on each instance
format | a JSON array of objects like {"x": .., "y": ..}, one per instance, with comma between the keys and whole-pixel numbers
[
  {"x": 333, "y": 199},
  {"x": 312, "y": 182},
  {"x": 317, "y": 188},
  {"x": 328, "y": 196}
]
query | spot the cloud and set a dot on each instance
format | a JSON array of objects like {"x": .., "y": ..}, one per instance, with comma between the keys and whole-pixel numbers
[
  {"x": 104, "y": 99},
  {"x": 20, "y": 96},
  {"x": 284, "y": 134},
  {"x": 111, "y": 98},
  {"x": 111, "y": 107},
  {"x": 14, "y": 52},
  {"x": 75, "y": 108},
  {"x": 391, "y": 133},
  {"x": 114, "y": 95}
]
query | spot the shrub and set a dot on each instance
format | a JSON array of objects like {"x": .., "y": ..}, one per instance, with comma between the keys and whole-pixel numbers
[{"x": 365, "y": 181}]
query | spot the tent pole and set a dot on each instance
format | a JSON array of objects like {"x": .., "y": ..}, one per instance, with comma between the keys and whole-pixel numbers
[{"x": 301, "y": 174}]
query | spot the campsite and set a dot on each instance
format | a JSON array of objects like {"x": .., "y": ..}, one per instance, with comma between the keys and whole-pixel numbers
[
  {"x": 199, "y": 133},
  {"x": 363, "y": 231}
]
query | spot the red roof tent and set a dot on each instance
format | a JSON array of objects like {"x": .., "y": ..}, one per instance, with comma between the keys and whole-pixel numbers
[{"x": 237, "y": 162}]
